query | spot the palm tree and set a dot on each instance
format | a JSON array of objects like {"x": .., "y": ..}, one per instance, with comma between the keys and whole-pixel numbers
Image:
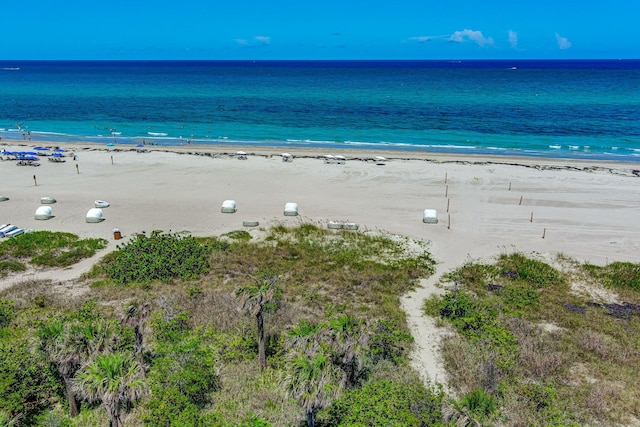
[
  {"x": 135, "y": 317},
  {"x": 69, "y": 344},
  {"x": 350, "y": 343},
  {"x": 115, "y": 379},
  {"x": 254, "y": 300},
  {"x": 61, "y": 343},
  {"x": 314, "y": 382}
]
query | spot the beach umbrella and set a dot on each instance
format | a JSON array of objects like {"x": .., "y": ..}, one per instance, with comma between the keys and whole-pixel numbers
[
  {"x": 59, "y": 150},
  {"x": 42, "y": 148},
  {"x": 57, "y": 155}
]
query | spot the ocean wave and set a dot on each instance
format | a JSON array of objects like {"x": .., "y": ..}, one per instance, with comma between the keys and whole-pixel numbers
[
  {"x": 40, "y": 132},
  {"x": 157, "y": 134}
]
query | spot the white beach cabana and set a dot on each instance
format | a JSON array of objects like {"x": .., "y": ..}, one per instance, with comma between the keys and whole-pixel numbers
[
  {"x": 286, "y": 157},
  {"x": 290, "y": 209},
  {"x": 229, "y": 206},
  {"x": 94, "y": 215},
  {"x": 241, "y": 155},
  {"x": 335, "y": 225},
  {"x": 47, "y": 200},
  {"x": 44, "y": 212},
  {"x": 430, "y": 216}
]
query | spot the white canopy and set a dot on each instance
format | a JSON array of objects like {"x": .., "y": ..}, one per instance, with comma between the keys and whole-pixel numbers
[
  {"x": 291, "y": 209},
  {"x": 44, "y": 212},
  {"x": 94, "y": 215},
  {"x": 430, "y": 216},
  {"x": 47, "y": 200},
  {"x": 228, "y": 206}
]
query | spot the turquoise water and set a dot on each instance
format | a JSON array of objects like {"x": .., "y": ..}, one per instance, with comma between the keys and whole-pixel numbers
[{"x": 575, "y": 109}]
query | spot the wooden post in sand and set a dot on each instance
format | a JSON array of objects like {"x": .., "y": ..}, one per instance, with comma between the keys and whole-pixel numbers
[
  {"x": 520, "y": 201},
  {"x": 35, "y": 181},
  {"x": 445, "y": 177},
  {"x": 77, "y": 169},
  {"x": 446, "y": 191},
  {"x": 531, "y": 219},
  {"x": 111, "y": 159},
  {"x": 449, "y": 222},
  {"x": 544, "y": 232},
  {"x": 509, "y": 186},
  {"x": 448, "y": 200}
]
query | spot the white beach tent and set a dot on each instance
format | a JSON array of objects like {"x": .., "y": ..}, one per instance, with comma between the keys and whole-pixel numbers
[
  {"x": 228, "y": 206},
  {"x": 44, "y": 212},
  {"x": 286, "y": 157},
  {"x": 430, "y": 216},
  {"x": 291, "y": 209},
  {"x": 94, "y": 215},
  {"x": 47, "y": 200}
]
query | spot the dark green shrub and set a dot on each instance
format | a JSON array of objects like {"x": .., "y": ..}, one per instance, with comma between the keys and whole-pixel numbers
[
  {"x": 27, "y": 385},
  {"x": 385, "y": 403},
  {"x": 158, "y": 257}
]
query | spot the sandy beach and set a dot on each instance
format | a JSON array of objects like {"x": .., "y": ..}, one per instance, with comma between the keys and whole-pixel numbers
[
  {"x": 585, "y": 210},
  {"x": 589, "y": 211}
]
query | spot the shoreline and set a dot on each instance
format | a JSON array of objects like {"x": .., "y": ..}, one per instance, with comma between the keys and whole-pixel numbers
[{"x": 361, "y": 154}]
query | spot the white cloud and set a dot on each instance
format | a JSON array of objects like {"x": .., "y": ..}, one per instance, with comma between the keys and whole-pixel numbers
[
  {"x": 255, "y": 42},
  {"x": 474, "y": 36},
  {"x": 513, "y": 39},
  {"x": 563, "y": 42},
  {"x": 420, "y": 39}
]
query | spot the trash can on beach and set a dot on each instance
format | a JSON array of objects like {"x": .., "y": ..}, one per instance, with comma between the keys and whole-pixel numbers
[{"x": 116, "y": 234}]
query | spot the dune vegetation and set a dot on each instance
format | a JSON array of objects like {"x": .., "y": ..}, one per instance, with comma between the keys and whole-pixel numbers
[
  {"x": 284, "y": 329},
  {"x": 291, "y": 326}
]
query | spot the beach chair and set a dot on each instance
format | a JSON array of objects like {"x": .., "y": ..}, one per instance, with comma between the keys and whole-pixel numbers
[
  {"x": 7, "y": 229},
  {"x": 16, "y": 232}
]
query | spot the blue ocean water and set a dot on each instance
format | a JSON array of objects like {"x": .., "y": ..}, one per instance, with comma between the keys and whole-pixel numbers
[{"x": 574, "y": 109}]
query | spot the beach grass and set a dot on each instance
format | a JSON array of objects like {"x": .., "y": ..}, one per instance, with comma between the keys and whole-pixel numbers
[
  {"x": 46, "y": 249},
  {"x": 531, "y": 336}
]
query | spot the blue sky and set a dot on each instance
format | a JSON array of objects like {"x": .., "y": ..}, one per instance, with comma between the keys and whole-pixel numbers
[{"x": 328, "y": 29}]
